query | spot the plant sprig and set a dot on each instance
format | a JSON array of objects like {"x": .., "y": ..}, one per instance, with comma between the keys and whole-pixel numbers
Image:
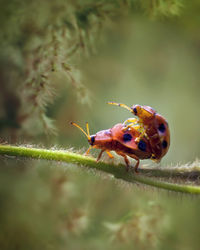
[{"x": 118, "y": 171}]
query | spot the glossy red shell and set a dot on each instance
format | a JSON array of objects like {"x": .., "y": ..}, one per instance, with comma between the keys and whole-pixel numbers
[
  {"x": 113, "y": 139},
  {"x": 156, "y": 128}
]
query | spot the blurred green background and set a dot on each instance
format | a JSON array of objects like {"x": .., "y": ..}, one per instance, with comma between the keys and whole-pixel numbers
[
  {"x": 62, "y": 61},
  {"x": 146, "y": 63}
]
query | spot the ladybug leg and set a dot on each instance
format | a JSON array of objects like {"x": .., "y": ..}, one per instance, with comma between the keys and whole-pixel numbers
[
  {"x": 125, "y": 159},
  {"x": 109, "y": 154},
  {"x": 100, "y": 154},
  {"x": 127, "y": 162},
  {"x": 142, "y": 134},
  {"x": 137, "y": 163},
  {"x": 131, "y": 120},
  {"x": 135, "y": 124},
  {"x": 87, "y": 152}
]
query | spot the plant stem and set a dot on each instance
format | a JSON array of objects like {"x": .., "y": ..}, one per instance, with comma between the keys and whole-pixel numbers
[{"x": 118, "y": 171}]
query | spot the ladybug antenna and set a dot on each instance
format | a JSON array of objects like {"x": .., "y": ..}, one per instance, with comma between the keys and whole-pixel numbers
[
  {"x": 87, "y": 128},
  {"x": 120, "y": 105}
]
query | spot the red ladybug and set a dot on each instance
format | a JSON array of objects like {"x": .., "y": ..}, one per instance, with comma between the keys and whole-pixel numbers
[
  {"x": 123, "y": 142},
  {"x": 155, "y": 127}
]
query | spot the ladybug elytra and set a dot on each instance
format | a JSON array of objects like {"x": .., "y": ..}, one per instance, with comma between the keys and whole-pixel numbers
[
  {"x": 123, "y": 142},
  {"x": 144, "y": 137},
  {"x": 155, "y": 126}
]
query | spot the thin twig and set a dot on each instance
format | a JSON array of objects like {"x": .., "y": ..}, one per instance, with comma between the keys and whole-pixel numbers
[{"x": 118, "y": 171}]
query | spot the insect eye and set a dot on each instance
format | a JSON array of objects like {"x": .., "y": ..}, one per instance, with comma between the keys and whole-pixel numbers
[
  {"x": 162, "y": 128},
  {"x": 164, "y": 144},
  {"x": 127, "y": 137},
  {"x": 142, "y": 145},
  {"x": 135, "y": 110},
  {"x": 92, "y": 139}
]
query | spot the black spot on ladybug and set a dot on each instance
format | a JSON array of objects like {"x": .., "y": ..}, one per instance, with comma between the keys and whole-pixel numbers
[
  {"x": 142, "y": 145},
  {"x": 162, "y": 128},
  {"x": 164, "y": 144},
  {"x": 92, "y": 140},
  {"x": 127, "y": 137},
  {"x": 135, "y": 111}
]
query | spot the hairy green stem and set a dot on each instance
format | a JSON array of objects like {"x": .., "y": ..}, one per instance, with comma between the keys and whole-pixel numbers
[{"x": 118, "y": 171}]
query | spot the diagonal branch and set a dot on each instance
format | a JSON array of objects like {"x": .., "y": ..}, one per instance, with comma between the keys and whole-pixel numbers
[{"x": 118, "y": 171}]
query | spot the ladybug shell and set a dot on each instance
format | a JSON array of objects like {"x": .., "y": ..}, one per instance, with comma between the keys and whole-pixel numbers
[
  {"x": 162, "y": 130},
  {"x": 156, "y": 128},
  {"x": 127, "y": 142}
]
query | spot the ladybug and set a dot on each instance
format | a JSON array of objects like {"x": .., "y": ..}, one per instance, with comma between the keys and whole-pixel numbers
[
  {"x": 124, "y": 141},
  {"x": 155, "y": 127}
]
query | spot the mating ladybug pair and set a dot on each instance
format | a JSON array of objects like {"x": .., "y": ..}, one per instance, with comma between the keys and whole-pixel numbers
[{"x": 145, "y": 137}]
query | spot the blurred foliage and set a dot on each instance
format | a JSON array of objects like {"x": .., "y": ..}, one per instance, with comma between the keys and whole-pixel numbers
[
  {"x": 60, "y": 59},
  {"x": 48, "y": 206},
  {"x": 63, "y": 60},
  {"x": 41, "y": 46}
]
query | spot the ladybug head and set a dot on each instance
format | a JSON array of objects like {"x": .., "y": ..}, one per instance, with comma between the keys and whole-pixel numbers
[
  {"x": 91, "y": 140},
  {"x": 136, "y": 109},
  {"x": 145, "y": 113}
]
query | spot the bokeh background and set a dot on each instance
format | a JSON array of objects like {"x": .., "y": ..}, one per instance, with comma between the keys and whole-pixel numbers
[
  {"x": 147, "y": 63},
  {"x": 62, "y": 61}
]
